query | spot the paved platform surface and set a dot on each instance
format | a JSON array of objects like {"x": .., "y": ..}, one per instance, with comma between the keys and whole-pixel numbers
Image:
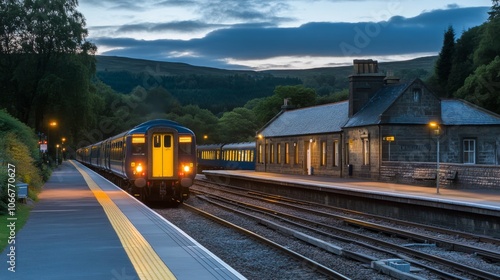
[
  {"x": 481, "y": 198},
  {"x": 84, "y": 227}
]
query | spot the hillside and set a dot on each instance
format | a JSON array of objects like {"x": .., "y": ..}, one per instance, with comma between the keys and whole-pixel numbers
[
  {"x": 119, "y": 64},
  {"x": 425, "y": 63},
  {"x": 162, "y": 68},
  {"x": 221, "y": 90}
]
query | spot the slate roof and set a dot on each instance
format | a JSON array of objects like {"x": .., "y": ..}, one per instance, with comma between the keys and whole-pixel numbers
[
  {"x": 378, "y": 104},
  {"x": 333, "y": 117},
  {"x": 312, "y": 120},
  {"x": 461, "y": 112}
]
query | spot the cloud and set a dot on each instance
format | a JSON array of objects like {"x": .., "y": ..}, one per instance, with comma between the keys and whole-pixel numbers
[
  {"x": 178, "y": 26},
  {"x": 243, "y": 10},
  {"x": 396, "y": 36}
]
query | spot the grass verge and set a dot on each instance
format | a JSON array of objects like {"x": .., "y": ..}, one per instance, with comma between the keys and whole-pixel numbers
[{"x": 22, "y": 214}]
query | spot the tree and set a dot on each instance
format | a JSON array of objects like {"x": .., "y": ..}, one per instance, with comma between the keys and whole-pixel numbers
[
  {"x": 483, "y": 87},
  {"x": 238, "y": 125},
  {"x": 463, "y": 58},
  {"x": 489, "y": 46},
  {"x": 445, "y": 61},
  {"x": 299, "y": 96},
  {"x": 201, "y": 121},
  {"x": 45, "y": 61},
  {"x": 495, "y": 10}
]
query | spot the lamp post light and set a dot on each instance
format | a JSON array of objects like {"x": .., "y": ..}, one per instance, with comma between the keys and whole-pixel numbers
[
  {"x": 437, "y": 132},
  {"x": 63, "y": 148},
  {"x": 57, "y": 155},
  {"x": 52, "y": 124}
]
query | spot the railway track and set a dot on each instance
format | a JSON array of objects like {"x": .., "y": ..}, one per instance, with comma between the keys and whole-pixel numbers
[
  {"x": 412, "y": 253},
  {"x": 303, "y": 259}
]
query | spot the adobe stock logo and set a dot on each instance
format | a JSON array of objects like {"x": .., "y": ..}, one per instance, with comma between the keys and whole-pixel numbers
[{"x": 364, "y": 36}]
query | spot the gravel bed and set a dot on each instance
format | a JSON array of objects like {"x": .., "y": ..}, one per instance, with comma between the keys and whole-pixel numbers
[
  {"x": 464, "y": 258},
  {"x": 252, "y": 259}
]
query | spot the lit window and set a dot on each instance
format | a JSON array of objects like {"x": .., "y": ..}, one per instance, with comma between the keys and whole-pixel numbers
[
  {"x": 335, "y": 153},
  {"x": 366, "y": 151},
  {"x": 271, "y": 153},
  {"x": 323, "y": 153},
  {"x": 287, "y": 153},
  {"x": 260, "y": 154},
  {"x": 278, "y": 153}
]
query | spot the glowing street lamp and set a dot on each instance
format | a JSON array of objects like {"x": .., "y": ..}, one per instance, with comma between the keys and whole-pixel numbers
[
  {"x": 52, "y": 124},
  {"x": 57, "y": 154},
  {"x": 437, "y": 132}
]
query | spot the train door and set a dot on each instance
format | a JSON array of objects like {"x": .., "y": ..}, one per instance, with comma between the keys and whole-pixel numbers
[{"x": 162, "y": 155}]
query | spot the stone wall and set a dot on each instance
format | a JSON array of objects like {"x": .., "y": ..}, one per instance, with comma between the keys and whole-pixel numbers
[{"x": 455, "y": 176}]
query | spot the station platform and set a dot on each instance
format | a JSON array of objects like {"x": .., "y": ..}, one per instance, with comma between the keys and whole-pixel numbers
[
  {"x": 84, "y": 227},
  {"x": 481, "y": 198}
]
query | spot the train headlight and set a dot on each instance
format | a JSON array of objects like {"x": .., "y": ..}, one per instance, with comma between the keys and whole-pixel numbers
[
  {"x": 186, "y": 168},
  {"x": 139, "y": 168}
]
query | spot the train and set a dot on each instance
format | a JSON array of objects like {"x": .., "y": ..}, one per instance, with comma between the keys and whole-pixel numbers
[
  {"x": 154, "y": 161},
  {"x": 232, "y": 156}
]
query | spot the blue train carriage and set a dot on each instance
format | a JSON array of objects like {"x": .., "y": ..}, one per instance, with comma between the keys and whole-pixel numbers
[
  {"x": 154, "y": 161},
  {"x": 239, "y": 156},
  {"x": 209, "y": 157}
]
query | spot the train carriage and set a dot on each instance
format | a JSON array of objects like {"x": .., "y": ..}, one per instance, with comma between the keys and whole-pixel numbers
[
  {"x": 226, "y": 156},
  {"x": 154, "y": 161}
]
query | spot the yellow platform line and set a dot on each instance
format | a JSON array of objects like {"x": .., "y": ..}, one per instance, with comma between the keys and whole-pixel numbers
[{"x": 145, "y": 260}]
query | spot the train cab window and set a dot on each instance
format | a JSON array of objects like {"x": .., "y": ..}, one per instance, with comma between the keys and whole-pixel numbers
[
  {"x": 138, "y": 148},
  {"x": 157, "y": 141},
  {"x": 167, "y": 141},
  {"x": 185, "y": 148}
]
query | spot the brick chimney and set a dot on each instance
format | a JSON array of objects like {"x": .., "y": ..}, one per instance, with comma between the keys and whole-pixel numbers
[{"x": 363, "y": 83}]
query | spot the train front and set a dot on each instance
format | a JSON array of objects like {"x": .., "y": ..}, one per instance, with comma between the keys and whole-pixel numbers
[{"x": 162, "y": 163}]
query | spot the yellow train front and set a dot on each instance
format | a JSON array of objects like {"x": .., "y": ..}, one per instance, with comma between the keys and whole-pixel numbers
[{"x": 154, "y": 161}]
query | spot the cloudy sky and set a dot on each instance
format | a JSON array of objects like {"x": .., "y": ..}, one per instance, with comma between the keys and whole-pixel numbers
[{"x": 276, "y": 34}]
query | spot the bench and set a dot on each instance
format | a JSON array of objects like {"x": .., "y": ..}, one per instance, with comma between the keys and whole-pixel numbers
[{"x": 451, "y": 175}]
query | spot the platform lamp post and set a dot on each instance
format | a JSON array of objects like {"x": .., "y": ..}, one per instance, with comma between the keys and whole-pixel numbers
[
  {"x": 63, "y": 148},
  {"x": 263, "y": 154},
  {"x": 52, "y": 124},
  {"x": 437, "y": 132},
  {"x": 57, "y": 155}
]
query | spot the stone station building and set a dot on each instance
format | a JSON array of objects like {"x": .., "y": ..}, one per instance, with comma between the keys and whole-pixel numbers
[{"x": 389, "y": 131}]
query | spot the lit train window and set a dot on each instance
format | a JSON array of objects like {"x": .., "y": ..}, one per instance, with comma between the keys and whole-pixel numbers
[{"x": 185, "y": 139}]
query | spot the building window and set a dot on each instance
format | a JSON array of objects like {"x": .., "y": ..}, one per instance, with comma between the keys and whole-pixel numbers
[
  {"x": 335, "y": 153},
  {"x": 287, "y": 153},
  {"x": 278, "y": 153},
  {"x": 260, "y": 154},
  {"x": 469, "y": 148},
  {"x": 323, "y": 153},
  {"x": 271, "y": 153},
  {"x": 366, "y": 151},
  {"x": 417, "y": 95},
  {"x": 296, "y": 152}
]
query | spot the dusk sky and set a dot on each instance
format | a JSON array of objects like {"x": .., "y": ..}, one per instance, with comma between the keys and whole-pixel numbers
[{"x": 276, "y": 34}]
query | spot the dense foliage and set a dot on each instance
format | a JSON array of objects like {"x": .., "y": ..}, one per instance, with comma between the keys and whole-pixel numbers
[
  {"x": 46, "y": 64},
  {"x": 474, "y": 73},
  {"x": 218, "y": 93},
  {"x": 19, "y": 148}
]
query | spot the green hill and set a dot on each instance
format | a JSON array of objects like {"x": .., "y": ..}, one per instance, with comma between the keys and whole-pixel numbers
[{"x": 221, "y": 90}]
